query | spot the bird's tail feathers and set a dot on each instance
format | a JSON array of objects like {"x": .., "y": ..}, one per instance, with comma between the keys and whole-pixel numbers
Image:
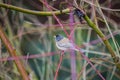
[{"x": 81, "y": 50}]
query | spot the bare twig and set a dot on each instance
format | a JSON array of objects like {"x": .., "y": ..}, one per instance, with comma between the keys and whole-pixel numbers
[{"x": 12, "y": 52}]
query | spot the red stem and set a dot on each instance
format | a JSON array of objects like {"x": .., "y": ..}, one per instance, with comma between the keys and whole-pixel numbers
[
  {"x": 61, "y": 58},
  {"x": 12, "y": 52}
]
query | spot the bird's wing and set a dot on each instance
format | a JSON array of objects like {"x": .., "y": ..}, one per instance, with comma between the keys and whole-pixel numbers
[{"x": 65, "y": 43}]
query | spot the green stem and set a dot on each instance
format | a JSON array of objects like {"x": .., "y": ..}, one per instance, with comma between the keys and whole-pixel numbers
[
  {"x": 106, "y": 42},
  {"x": 27, "y": 11}
]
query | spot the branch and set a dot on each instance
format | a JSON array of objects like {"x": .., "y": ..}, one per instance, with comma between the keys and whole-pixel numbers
[
  {"x": 81, "y": 14},
  {"x": 27, "y": 11},
  {"x": 12, "y": 52},
  {"x": 106, "y": 42}
]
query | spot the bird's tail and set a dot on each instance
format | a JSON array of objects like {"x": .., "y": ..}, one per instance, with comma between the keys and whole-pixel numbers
[{"x": 81, "y": 50}]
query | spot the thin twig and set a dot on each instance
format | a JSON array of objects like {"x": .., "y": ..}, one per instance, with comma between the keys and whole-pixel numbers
[{"x": 61, "y": 58}]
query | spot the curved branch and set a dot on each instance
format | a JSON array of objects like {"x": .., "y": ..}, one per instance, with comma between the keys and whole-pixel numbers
[{"x": 27, "y": 11}]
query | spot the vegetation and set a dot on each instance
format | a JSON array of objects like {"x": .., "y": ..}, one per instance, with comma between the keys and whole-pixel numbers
[{"x": 27, "y": 46}]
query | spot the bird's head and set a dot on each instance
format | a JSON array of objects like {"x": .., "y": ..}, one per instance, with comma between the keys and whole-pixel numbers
[{"x": 58, "y": 37}]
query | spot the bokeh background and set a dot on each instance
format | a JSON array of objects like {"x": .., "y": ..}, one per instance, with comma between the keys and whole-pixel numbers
[{"x": 33, "y": 35}]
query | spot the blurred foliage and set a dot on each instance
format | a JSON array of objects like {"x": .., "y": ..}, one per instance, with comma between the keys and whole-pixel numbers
[{"x": 31, "y": 34}]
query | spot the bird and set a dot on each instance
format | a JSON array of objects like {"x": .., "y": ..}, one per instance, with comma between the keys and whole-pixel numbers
[{"x": 64, "y": 43}]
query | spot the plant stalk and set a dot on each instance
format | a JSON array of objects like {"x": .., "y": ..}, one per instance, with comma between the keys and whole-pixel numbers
[{"x": 12, "y": 52}]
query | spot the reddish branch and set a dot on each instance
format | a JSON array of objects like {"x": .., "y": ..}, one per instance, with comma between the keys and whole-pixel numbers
[
  {"x": 61, "y": 58},
  {"x": 12, "y": 52}
]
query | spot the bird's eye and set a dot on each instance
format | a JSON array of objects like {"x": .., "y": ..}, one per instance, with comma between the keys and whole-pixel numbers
[{"x": 57, "y": 35}]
